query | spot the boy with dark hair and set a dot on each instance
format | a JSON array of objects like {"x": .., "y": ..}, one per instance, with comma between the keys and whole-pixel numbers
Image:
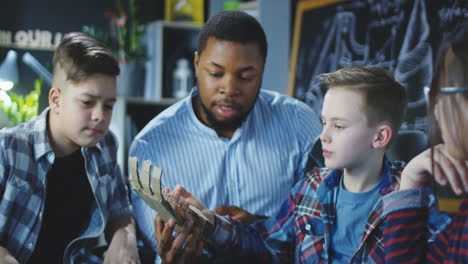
[
  {"x": 333, "y": 214},
  {"x": 60, "y": 182}
]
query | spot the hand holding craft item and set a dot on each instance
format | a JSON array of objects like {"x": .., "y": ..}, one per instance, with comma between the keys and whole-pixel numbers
[{"x": 148, "y": 187}]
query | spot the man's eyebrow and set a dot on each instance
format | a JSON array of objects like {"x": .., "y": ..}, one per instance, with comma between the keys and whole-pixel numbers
[
  {"x": 246, "y": 68},
  {"x": 216, "y": 64}
]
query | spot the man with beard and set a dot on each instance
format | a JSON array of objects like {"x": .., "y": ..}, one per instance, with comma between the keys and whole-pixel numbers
[{"x": 228, "y": 141}]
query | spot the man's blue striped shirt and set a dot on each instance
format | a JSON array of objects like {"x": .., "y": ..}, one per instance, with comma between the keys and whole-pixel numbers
[{"x": 254, "y": 170}]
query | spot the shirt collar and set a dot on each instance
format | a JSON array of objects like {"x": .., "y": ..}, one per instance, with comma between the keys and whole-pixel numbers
[
  {"x": 41, "y": 136},
  {"x": 387, "y": 181},
  {"x": 386, "y": 184}
]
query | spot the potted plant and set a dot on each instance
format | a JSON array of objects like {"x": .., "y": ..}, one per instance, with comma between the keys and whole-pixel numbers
[
  {"x": 125, "y": 39},
  {"x": 16, "y": 108},
  {"x": 127, "y": 29}
]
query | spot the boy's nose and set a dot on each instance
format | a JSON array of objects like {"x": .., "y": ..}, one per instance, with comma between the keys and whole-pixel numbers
[
  {"x": 324, "y": 137},
  {"x": 98, "y": 114}
]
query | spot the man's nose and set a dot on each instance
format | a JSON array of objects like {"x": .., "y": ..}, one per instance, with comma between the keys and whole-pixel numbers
[{"x": 230, "y": 87}]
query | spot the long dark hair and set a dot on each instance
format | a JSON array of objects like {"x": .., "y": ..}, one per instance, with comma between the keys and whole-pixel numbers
[{"x": 451, "y": 71}]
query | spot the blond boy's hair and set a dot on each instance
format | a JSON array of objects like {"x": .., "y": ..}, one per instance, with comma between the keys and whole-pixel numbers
[
  {"x": 78, "y": 56},
  {"x": 384, "y": 98}
]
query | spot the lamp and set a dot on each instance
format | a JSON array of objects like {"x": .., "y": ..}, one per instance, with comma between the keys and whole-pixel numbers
[
  {"x": 37, "y": 67},
  {"x": 9, "y": 71}
]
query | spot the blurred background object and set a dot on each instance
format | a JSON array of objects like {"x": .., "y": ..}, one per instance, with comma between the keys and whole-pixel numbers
[
  {"x": 191, "y": 11},
  {"x": 16, "y": 108},
  {"x": 37, "y": 67},
  {"x": 9, "y": 71}
]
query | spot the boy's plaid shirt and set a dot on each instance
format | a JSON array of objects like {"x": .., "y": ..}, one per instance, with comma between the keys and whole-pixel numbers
[
  {"x": 25, "y": 158},
  {"x": 302, "y": 230}
]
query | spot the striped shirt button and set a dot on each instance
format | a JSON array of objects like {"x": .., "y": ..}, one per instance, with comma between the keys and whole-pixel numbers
[{"x": 307, "y": 227}]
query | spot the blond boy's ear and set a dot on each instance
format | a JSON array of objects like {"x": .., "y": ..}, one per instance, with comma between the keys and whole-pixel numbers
[
  {"x": 382, "y": 137},
  {"x": 54, "y": 99}
]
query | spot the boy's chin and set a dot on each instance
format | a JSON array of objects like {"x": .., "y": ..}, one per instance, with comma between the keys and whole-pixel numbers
[
  {"x": 89, "y": 142},
  {"x": 332, "y": 165}
]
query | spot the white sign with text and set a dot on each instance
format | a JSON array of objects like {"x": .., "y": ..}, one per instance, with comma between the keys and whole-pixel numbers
[{"x": 32, "y": 39}]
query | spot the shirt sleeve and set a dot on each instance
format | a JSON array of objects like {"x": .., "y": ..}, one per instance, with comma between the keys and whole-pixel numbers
[
  {"x": 120, "y": 203},
  {"x": 2, "y": 167},
  {"x": 268, "y": 241},
  {"x": 414, "y": 231}
]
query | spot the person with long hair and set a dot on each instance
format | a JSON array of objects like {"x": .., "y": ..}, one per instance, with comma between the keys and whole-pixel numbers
[{"x": 410, "y": 235}]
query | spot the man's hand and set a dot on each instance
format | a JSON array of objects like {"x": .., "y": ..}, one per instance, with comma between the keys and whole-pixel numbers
[
  {"x": 180, "y": 191},
  {"x": 6, "y": 257},
  {"x": 237, "y": 213},
  {"x": 186, "y": 246},
  {"x": 418, "y": 173},
  {"x": 123, "y": 247}
]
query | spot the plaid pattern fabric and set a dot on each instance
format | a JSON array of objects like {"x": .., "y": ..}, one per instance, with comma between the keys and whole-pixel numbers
[
  {"x": 301, "y": 232},
  {"x": 25, "y": 159},
  {"x": 408, "y": 228}
]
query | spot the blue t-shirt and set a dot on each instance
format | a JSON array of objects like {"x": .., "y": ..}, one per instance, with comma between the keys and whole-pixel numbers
[{"x": 352, "y": 211}]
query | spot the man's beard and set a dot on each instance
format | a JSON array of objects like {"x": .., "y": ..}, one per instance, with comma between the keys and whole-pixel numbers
[{"x": 223, "y": 125}]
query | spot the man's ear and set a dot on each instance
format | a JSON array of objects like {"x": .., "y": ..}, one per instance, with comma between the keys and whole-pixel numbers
[
  {"x": 54, "y": 99},
  {"x": 382, "y": 137},
  {"x": 436, "y": 110},
  {"x": 196, "y": 59}
]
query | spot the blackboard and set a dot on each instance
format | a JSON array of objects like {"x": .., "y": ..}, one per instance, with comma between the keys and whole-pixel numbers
[{"x": 401, "y": 36}]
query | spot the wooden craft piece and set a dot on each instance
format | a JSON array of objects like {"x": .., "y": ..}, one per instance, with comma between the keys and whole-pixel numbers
[{"x": 158, "y": 200}]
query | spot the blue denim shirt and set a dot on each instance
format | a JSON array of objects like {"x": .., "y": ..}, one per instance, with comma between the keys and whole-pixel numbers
[{"x": 25, "y": 159}]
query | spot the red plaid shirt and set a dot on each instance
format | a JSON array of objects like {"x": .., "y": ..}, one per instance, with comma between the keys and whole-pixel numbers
[
  {"x": 302, "y": 231},
  {"x": 411, "y": 236}
]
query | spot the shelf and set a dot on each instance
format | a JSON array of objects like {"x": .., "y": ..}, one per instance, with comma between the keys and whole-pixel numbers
[
  {"x": 166, "y": 43},
  {"x": 142, "y": 100},
  {"x": 130, "y": 115}
]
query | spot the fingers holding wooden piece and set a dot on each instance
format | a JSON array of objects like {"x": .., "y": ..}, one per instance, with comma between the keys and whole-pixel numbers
[
  {"x": 145, "y": 176},
  {"x": 156, "y": 182},
  {"x": 134, "y": 180}
]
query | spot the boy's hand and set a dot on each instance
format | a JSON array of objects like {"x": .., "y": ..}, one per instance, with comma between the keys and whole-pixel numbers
[
  {"x": 418, "y": 172},
  {"x": 237, "y": 213},
  {"x": 6, "y": 257},
  {"x": 188, "y": 243},
  {"x": 123, "y": 246},
  {"x": 121, "y": 250}
]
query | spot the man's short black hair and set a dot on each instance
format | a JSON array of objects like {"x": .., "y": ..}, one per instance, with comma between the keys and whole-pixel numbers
[{"x": 235, "y": 26}]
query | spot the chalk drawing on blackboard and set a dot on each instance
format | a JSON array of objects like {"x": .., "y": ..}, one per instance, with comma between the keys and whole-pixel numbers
[{"x": 394, "y": 35}]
